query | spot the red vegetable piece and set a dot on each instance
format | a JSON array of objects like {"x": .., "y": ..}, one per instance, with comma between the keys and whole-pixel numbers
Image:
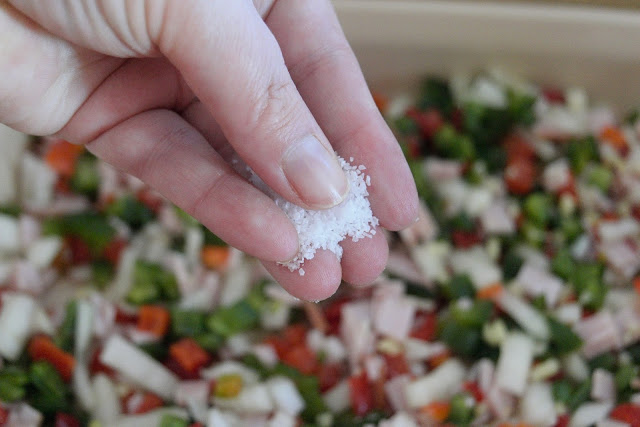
[
  {"x": 465, "y": 239},
  {"x": 96, "y": 366},
  {"x": 113, "y": 250},
  {"x": 80, "y": 251},
  {"x": 562, "y": 421},
  {"x": 360, "y": 394},
  {"x": 328, "y": 375},
  {"x": 424, "y": 327},
  {"x": 553, "y": 95},
  {"x": 517, "y": 147},
  {"x": 66, "y": 420},
  {"x": 147, "y": 403},
  {"x": 396, "y": 364},
  {"x": 473, "y": 389},
  {"x": 61, "y": 156},
  {"x": 430, "y": 122},
  {"x": 41, "y": 347},
  {"x": 295, "y": 334},
  {"x": 154, "y": 319},
  {"x": 628, "y": 413},
  {"x": 4, "y": 415},
  {"x": 150, "y": 199},
  {"x": 301, "y": 358},
  {"x": 520, "y": 176},
  {"x": 189, "y": 355}
]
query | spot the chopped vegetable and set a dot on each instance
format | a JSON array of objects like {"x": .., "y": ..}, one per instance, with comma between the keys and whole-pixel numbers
[
  {"x": 42, "y": 347},
  {"x": 153, "y": 319},
  {"x": 189, "y": 355}
]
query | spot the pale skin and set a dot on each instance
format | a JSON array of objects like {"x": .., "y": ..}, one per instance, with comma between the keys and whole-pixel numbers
[{"x": 164, "y": 90}]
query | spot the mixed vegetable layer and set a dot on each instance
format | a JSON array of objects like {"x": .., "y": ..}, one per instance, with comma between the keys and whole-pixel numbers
[{"x": 513, "y": 301}]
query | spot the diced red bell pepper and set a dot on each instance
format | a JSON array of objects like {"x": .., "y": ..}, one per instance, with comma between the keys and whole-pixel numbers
[
  {"x": 473, "y": 389},
  {"x": 154, "y": 319},
  {"x": 96, "y": 366},
  {"x": 80, "y": 251},
  {"x": 553, "y": 95},
  {"x": 189, "y": 355},
  {"x": 628, "y": 413},
  {"x": 429, "y": 121},
  {"x": 295, "y": 334},
  {"x": 424, "y": 327},
  {"x": 113, "y": 250},
  {"x": 328, "y": 375},
  {"x": 61, "y": 156},
  {"x": 145, "y": 402},
  {"x": 150, "y": 199},
  {"x": 517, "y": 147},
  {"x": 562, "y": 421},
  {"x": 41, "y": 347},
  {"x": 465, "y": 239},
  {"x": 66, "y": 420},
  {"x": 360, "y": 394},
  {"x": 520, "y": 176},
  {"x": 396, "y": 364},
  {"x": 4, "y": 416},
  {"x": 302, "y": 358}
]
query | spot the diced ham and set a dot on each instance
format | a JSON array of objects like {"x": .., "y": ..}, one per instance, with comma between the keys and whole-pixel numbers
[
  {"x": 556, "y": 175},
  {"x": 622, "y": 258},
  {"x": 603, "y": 387},
  {"x": 599, "y": 333},
  {"x": 438, "y": 169},
  {"x": 356, "y": 330},
  {"x": 395, "y": 391},
  {"x": 540, "y": 282},
  {"x": 424, "y": 229},
  {"x": 189, "y": 392},
  {"x": 496, "y": 220}
]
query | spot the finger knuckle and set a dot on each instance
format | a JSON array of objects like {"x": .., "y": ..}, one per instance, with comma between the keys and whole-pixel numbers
[{"x": 275, "y": 108}]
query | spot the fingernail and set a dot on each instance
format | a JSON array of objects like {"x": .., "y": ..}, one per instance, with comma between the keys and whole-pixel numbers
[{"x": 315, "y": 174}]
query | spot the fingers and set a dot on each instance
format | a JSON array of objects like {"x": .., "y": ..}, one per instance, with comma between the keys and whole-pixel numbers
[
  {"x": 322, "y": 277},
  {"x": 160, "y": 148},
  {"x": 363, "y": 261},
  {"x": 234, "y": 65},
  {"x": 136, "y": 86},
  {"x": 329, "y": 78}
]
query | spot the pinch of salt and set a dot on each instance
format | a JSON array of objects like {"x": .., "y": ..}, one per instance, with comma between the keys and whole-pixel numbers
[{"x": 325, "y": 229}]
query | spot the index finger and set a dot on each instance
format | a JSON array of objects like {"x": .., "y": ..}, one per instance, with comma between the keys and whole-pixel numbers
[{"x": 329, "y": 79}]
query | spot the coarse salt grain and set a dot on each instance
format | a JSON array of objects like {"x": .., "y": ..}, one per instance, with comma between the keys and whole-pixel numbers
[{"x": 325, "y": 229}]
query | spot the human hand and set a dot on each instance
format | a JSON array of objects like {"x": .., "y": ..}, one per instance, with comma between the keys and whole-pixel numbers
[{"x": 164, "y": 90}]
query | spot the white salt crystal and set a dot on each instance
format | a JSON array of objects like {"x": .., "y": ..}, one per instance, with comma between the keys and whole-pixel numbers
[{"x": 325, "y": 229}]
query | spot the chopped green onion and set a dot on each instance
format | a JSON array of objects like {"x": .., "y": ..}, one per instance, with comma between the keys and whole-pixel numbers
[
  {"x": 538, "y": 208},
  {"x": 102, "y": 272},
  {"x": 187, "y": 323},
  {"x": 90, "y": 227},
  {"x": 562, "y": 264},
  {"x": 461, "y": 413},
  {"x": 435, "y": 93},
  {"x": 581, "y": 152},
  {"x": 511, "y": 264},
  {"x": 452, "y": 144},
  {"x": 228, "y": 321},
  {"x": 152, "y": 283},
  {"x": 562, "y": 339},
  {"x": 10, "y": 209}
]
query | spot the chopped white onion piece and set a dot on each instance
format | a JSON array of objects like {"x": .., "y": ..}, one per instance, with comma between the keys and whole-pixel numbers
[
  {"x": 9, "y": 235},
  {"x": 107, "y": 403},
  {"x": 589, "y": 413},
  {"x": 537, "y": 406},
  {"x": 527, "y": 317},
  {"x": 337, "y": 398},
  {"x": 44, "y": 250},
  {"x": 253, "y": 399},
  {"x": 249, "y": 376},
  {"x": 285, "y": 395},
  {"x": 15, "y": 323},
  {"x": 82, "y": 387},
  {"x": 512, "y": 369},
  {"x": 138, "y": 366},
  {"x": 83, "y": 327},
  {"x": 440, "y": 383}
]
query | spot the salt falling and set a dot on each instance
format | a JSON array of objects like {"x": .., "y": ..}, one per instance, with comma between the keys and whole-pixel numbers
[{"x": 325, "y": 229}]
